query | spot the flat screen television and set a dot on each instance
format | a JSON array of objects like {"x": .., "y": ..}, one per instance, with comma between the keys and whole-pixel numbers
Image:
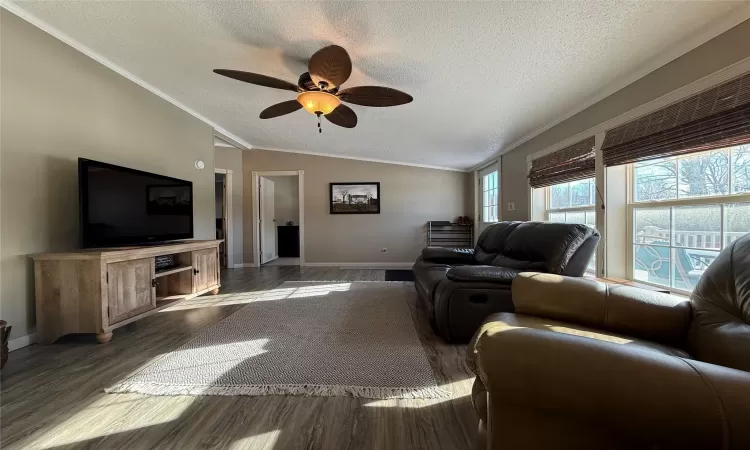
[{"x": 121, "y": 206}]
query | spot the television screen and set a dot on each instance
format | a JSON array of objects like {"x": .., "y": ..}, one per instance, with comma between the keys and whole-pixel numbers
[{"x": 121, "y": 206}]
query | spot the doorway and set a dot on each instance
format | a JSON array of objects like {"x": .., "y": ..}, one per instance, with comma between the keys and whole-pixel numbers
[
  {"x": 223, "y": 196},
  {"x": 278, "y": 206}
]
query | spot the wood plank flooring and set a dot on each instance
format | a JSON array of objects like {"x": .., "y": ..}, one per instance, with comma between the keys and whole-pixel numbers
[{"x": 52, "y": 396}]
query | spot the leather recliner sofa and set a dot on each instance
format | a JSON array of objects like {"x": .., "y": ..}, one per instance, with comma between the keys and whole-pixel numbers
[
  {"x": 582, "y": 365},
  {"x": 459, "y": 288}
]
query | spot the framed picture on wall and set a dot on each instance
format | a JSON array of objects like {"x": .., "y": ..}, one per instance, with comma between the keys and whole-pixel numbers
[{"x": 355, "y": 198}]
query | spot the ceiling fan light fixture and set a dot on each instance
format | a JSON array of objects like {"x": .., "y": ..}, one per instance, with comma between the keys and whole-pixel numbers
[{"x": 318, "y": 102}]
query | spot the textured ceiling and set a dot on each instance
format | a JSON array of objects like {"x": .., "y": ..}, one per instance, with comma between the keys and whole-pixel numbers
[{"x": 483, "y": 74}]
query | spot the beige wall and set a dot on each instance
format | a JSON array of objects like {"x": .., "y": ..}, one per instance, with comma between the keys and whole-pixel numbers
[
  {"x": 286, "y": 199},
  {"x": 231, "y": 159},
  {"x": 410, "y": 197},
  {"x": 720, "y": 52},
  {"x": 58, "y": 105}
]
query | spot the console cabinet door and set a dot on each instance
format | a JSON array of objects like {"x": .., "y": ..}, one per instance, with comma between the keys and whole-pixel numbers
[
  {"x": 205, "y": 269},
  {"x": 130, "y": 288}
]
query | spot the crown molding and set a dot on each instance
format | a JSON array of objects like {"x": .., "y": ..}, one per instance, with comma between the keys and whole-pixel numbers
[
  {"x": 720, "y": 76},
  {"x": 231, "y": 140},
  {"x": 358, "y": 158},
  {"x": 220, "y": 142},
  {"x": 709, "y": 32},
  {"x": 54, "y": 32}
]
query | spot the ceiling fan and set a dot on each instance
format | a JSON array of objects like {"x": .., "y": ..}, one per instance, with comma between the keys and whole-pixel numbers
[{"x": 318, "y": 89}]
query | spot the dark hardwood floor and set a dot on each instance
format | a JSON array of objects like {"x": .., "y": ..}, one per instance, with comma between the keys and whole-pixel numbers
[{"x": 52, "y": 395}]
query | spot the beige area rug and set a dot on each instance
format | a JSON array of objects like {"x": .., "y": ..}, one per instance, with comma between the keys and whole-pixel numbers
[{"x": 303, "y": 338}]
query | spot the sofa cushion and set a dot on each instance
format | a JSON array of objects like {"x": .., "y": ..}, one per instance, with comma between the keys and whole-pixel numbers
[
  {"x": 528, "y": 266},
  {"x": 483, "y": 258},
  {"x": 492, "y": 239},
  {"x": 720, "y": 329},
  {"x": 448, "y": 255},
  {"x": 490, "y": 274},
  {"x": 551, "y": 243}
]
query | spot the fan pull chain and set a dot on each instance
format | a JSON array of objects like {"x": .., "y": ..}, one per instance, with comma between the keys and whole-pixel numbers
[{"x": 320, "y": 130}]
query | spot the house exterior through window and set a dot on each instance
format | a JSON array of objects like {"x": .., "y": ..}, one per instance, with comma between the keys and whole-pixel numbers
[
  {"x": 490, "y": 199},
  {"x": 572, "y": 202},
  {"x": 683, "y": 210}
]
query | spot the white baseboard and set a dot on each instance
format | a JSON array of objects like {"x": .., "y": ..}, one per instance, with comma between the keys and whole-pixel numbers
[
  {"x": 237, "y": 266},
  {"x": 21, "y": 342},
  {"x": 373, "y": 265}
]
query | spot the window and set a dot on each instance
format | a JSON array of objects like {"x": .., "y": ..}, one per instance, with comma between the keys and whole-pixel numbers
[
  {"x": 684, "y": 210},
  {"x": 489, "y": 197},
  {"x": 573, "y": 202}
]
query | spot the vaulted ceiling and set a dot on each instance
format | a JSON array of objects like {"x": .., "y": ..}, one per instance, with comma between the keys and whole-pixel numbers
[{"x": 483, "y": 75}]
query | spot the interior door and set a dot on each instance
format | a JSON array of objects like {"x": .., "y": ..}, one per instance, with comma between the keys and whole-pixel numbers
[
  {"x": 267, "y": 221},
  {"x": 130, "y": 288},
  {"x": 205, "y": 269},
  {"x": 223, "y": 254}
]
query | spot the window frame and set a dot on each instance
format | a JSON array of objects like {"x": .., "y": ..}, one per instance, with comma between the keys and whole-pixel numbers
[
  {"x": 548, "y": 210},
  {"x": 714, "y": 200}
]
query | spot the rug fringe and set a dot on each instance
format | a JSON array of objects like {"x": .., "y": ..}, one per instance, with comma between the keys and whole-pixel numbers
[{"x": 307, "y": 390}]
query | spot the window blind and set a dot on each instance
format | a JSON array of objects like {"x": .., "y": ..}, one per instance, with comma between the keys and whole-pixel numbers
[
  {"x": 572, "y": 163},
  {"x": 716, "y": 118}
]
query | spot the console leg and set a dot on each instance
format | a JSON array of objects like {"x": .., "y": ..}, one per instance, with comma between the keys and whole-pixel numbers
[
  {"x": 103, "y": 338},
  {"x": 215, "y": 291}
]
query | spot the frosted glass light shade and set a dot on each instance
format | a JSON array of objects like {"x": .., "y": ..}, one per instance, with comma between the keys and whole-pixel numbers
[{"x": 317, "y": 101}]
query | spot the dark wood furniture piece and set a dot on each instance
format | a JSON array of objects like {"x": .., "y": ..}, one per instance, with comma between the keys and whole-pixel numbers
[{"x": 288, "y": 240}]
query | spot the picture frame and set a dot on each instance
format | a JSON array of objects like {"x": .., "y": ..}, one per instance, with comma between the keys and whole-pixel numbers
[{"x": 354, "y": 198}]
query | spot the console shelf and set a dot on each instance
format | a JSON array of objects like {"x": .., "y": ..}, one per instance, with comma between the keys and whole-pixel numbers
[
  {"x": 178, "y": 269},
  {"x": 99, "y": 290}
]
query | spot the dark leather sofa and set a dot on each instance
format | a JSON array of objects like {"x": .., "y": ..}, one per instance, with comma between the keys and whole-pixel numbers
[{"x": 459, "y": 288}]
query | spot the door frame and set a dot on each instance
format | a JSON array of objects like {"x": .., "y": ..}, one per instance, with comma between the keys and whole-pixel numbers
[
  {"x": 261, "y": 238},
  {"x": 256, "y": 210},
  {"x": 229, "y": 238}
]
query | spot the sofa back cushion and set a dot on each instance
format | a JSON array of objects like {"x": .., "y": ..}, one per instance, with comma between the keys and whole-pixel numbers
[
  {"x": 551, "y": 243},
  {"x": 492, "y": 241},
  {"x": 720, "y": 330}
]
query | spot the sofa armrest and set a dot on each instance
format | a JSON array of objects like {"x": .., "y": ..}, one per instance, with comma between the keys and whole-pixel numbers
[
  {"x": 629, "y": 392},
  {"x": 487, "y": 274},
  {"x": 448, "y": 255},
  {"x": 623, "y": 309}
]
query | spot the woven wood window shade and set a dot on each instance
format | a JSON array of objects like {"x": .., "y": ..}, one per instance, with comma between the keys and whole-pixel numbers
[
  {"x": 716, "y": 118},
  {"x": 572, "y": 163}
]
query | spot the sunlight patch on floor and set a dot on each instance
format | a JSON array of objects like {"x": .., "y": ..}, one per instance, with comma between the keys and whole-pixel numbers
[
  {"x": 241, "y": 298},
  {"x": 319, "y": 290},
  {"x": 454, "y": 388},
  {"x": 110, "y": 412},
  {"x": 260, "y": 441}
]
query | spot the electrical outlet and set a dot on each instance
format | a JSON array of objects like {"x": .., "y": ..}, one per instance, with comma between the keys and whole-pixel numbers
[
  {"x": 383, "y": 250},
  {"x": 511, "y": 206}
]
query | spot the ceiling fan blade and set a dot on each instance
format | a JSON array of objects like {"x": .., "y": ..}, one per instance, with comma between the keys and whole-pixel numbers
[
  {"x": 256, "y": 78},
  {"x": 280, "y": 109},
  {"x": 343, "y": 116},
  {"x": 375, "y": 96},
  {"x": 330, "y": 65}
]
